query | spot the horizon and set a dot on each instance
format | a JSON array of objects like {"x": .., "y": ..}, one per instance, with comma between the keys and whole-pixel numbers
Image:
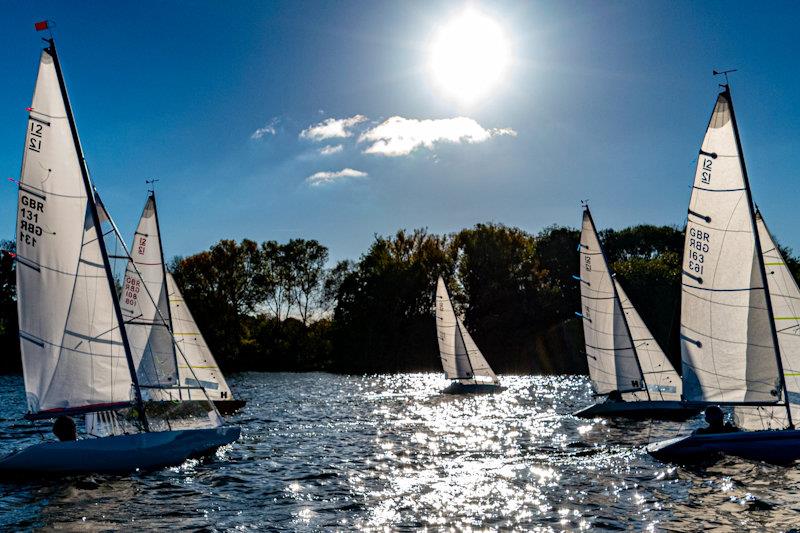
[{"x": 273, "y": 122}]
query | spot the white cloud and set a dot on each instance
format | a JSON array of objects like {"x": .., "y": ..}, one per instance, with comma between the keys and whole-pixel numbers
[
  {"x": 268, "y": 129},
  {"x": 332, "y": 128},
  {"x": 331, "y": 149},
  {"x": 400, "y": 136},
  {"x": 321, "y": 178}
]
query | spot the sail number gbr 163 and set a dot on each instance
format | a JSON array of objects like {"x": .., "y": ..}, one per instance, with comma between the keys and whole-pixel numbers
[{"x": 699, "y": 246}]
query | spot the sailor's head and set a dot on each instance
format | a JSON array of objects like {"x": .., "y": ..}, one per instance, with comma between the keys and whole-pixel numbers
[
  {"x": 714, "y": 416},
  {"x": 64, "y": 428}
]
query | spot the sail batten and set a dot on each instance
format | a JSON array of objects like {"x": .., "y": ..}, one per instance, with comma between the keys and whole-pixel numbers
[{"x": 729, "y": 349}]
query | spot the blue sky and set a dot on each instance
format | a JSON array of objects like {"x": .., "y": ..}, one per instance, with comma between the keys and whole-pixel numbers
[{"x": 605, "y": 101}]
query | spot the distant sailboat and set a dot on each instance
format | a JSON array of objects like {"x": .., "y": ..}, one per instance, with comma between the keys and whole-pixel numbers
[
  {"x": 167, "y": 371},
  {"x": 625, "y": 362},
  {"x": 462, "y": 360},
  {"x": 77, "y": 359},
  {"x": 737, "y": 310},
  {"x": 199, "y": 367}
]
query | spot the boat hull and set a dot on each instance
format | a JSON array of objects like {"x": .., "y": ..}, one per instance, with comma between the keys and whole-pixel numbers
[
  {"x": 228, "y": 407},
  {"x": 472, "y": 388},
  {"x": 661, "y": 410},
  {"x": 118, "y": 454},
  {"x": 771, "y": 446}
]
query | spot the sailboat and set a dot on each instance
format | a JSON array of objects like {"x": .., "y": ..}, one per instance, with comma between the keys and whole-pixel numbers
[
  {"x": 200, "y": 368},
  {"x": 153, "y": 323},
  {"x": 77, "y": 358},
  {"x": 626, "y": 363},
  {"x": 738, "y": 318},
  {"x": 463, "y": 362}
]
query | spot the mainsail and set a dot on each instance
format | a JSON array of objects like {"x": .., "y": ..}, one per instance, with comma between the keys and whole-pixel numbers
[
  {"x": 785, "y": 298},
  {"x": 73, "y": 349},
  {"x": 145, "y": 306},
  {"x": 610, "y": 348},
  {"x": 197, "y": 367},
  {"x": 728, "y": 342},
  {"x": 461, "y": 358}
]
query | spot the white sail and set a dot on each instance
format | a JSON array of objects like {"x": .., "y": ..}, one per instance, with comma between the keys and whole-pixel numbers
[
  {"x": 461, "y": 358},
  {"x": 661, "y": 379},
  {"x": 727, "y": 344},
  {"x": 72, "y": 351},
  {"x": 610, "y": 350},
  {"x": 785, "y": 297},
  {"x": 145, "y": 307},
  {"x": 196, "y": 365}
]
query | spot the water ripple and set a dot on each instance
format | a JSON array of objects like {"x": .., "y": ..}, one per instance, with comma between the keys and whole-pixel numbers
[{"x": 333, "y": 452}]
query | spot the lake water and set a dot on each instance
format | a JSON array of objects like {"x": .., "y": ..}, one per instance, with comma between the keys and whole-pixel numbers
[{"x": 320, "y": 451}]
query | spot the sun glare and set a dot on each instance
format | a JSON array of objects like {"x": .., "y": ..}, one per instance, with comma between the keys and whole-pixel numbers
[{"x": 469, "y": 56}]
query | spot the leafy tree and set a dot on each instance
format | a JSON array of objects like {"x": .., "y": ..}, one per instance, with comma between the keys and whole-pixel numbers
[
  {"x": 274, "y": 280},
  {"x": 305, "y": 262},
  {"x": 384, "y": 315},
  {"x": 218, "y": 285}
]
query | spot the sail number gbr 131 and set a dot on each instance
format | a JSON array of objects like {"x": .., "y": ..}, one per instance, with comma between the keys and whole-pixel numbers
[{"x": 29, "y": 212}]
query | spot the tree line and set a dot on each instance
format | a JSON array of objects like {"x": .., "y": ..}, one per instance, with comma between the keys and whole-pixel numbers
[{"x": 281, "y": 307}]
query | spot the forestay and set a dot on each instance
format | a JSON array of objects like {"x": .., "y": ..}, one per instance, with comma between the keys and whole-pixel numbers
[
  {"x": 145, "y": 307},
  {"x": 72, "y": 351},
  {"x": 610, "y": 350},
  {"x": 197, "y": 366},
  {"x": 727, "y": 343},
  {"x": 785, "y": 298},
  {"x": 461, "y": 358}
]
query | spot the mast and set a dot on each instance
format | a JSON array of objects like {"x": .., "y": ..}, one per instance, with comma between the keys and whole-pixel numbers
[
  {"x": 727, "y": 94},
  {"x": 164, "y": 274},
  {"x": 51, "y": 50},
  {"x": 619, "y": 302}
]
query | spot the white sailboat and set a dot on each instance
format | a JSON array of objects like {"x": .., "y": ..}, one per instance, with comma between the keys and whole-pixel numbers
[
  {"x": 181, "y": 371},
  {"x": 77, "y": 358},
  {"x": 731, "y": 347},
  {"x": 626, "y": 363},
  {"x": 199, "y": 367},
  {"x": 146, "y": 313},
  {"x": 462, "y": 361}
]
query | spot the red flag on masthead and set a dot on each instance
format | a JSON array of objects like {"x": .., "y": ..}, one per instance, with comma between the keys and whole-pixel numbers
[{"x": 41, "y": 25}]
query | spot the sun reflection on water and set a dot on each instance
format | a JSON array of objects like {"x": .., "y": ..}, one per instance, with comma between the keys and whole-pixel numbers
[{"x": 323, "y": 452}]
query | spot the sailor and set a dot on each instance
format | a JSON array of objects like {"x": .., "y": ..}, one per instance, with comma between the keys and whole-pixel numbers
[
  {"x": 64, "y": 428},
  {"x": 716, "y": 422},
  {"x": 614, "y": 396}
]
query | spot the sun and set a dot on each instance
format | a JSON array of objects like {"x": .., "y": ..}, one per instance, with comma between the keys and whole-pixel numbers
[{"x": 469, "y": 56}]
